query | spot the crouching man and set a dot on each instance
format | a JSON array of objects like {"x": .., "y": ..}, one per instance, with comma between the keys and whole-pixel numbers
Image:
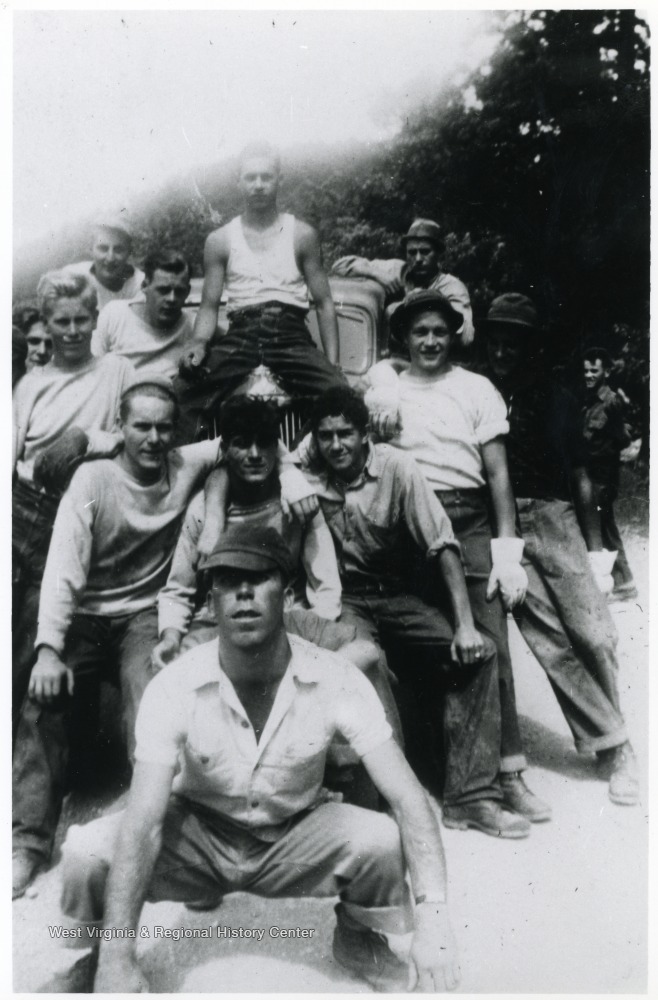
[{"x": 248, "y": 719}]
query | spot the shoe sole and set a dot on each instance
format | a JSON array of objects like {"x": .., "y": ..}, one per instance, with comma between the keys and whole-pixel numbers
[
  {"x": 466, "y": 824},
  {"x": 625, "y": 800},
  {"x": 535, "y": 818}
]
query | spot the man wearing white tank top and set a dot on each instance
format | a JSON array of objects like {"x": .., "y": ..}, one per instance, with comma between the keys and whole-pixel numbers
[{"x": 268, "y": 262}]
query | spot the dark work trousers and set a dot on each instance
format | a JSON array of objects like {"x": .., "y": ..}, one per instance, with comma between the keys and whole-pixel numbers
[
  {"x": 566, "y": 622},
  {"x": 606, "y": 487},
  {"x": 471, "y": 705},
  {"x": 470, "y": 516},
  {"x": 97, "y": 648},
  {"x": 33, "y": 516},
  {"x": 275, "y": 335}
]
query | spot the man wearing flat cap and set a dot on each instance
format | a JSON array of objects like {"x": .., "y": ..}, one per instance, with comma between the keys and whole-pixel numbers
[
  {"x": 111, "y": 549},
  {"x": 109, "y": 270},
  {"x": 453, "y": 422},
  {"x": 227, "y": 792},
  {"x": 423, "y": 246}
]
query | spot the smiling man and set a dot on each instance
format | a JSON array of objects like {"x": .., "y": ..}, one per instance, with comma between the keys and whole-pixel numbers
[
  {"x": 109, "y": 270},
  {"x": 151, "y": 331},
  {"x": 227, "y": 793},
  {"x": 110, "y": 553}
]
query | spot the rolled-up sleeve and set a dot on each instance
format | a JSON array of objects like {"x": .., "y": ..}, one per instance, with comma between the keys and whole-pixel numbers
[
  {"x": 491, "y": 417},
  {"x": 323, "y": 589},
  {"x": 158, "y": 730},
  {"x": 426, "y": 519},
  {"x": 176, "y": 599}
]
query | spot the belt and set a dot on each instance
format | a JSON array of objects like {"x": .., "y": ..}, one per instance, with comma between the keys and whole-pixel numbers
[
  {"x": 272, "y": 308},
  {"x": 475, "y": 493},
  {"x": 369, "y": 588}
]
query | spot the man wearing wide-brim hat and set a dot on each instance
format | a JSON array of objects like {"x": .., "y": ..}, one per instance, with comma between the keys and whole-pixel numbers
[{"x": 423, "y": 246}]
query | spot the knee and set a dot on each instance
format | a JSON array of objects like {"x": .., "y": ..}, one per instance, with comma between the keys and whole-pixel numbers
[
  {"x": 87, "y": 850},
  {"x": 373, "y": 836}
]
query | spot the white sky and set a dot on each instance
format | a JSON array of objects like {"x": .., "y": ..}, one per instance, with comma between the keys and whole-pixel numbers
[{"x": 108, "y": 105}]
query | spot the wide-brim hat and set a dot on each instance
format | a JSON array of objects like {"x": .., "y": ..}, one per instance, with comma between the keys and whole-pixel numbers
[
  {"x": 420, "y": 300},
  {"x": 513, "y": 309},
  {"x": 424, "y": 229},
  {"x": 251, "y": 548}
]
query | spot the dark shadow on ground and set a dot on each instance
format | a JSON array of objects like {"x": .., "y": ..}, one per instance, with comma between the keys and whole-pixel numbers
[{"x": 547, "y": 749}]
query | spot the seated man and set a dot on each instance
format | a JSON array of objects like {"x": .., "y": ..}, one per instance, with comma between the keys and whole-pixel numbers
[
  {"x": 248, "y": 428},
  {"x": 381, "y": 512},
  {"x": 268, "y": 263},
  {"x": 227, "y": 793},
  {"x": 110, "y": 553},
  {"x": 422, "y": 245},
  {"x": 606, "y": 435},
  {"x": 109, "y": 270},
  {"x": 564, "y": 619},
  {"x": 151, "y": 331}
]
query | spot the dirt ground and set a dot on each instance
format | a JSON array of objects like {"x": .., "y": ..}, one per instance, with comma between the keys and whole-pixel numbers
[{"x": 564, "y": 911}]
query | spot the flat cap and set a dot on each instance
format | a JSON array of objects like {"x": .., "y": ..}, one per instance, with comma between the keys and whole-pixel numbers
[
  {"x": 251, "y": 547},
  {"x": 424, "y": 229}
]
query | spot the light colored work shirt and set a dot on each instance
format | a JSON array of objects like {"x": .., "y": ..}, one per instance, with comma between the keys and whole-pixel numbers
[
  {"x": 121, "y": 330},
  {"x": 311, "y": 544},
  {"x": 375, "y": 519},
  {"x": 129, "y": 290},
  {"x": 114, "y": 539},
  {"x": 49, "y": 401},
  {"x": 191, "y": 716}
]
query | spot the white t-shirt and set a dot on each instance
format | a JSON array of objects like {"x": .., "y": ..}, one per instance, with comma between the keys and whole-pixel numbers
[
  {"x": 130, "y": 288},
  {"x": 445, "y": 423},
  {"x": 49, "y": 401},
  {"x": 121, "y": 330}
]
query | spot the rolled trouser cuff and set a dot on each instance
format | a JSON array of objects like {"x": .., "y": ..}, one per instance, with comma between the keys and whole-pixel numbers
[
  {"x": 384, "y": 919},
  {"x": 593, "y": 744},
  {"x": 516, "y": 762}
]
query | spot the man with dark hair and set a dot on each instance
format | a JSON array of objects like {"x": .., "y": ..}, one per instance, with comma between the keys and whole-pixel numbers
[
  {"x": 110, "y": 553},
  {"x": 564, "y": 619},
  {"x": 606, "y": 435},
  {"x": 27, "y": 317},
  {"x": 382, "y": 513},
  {"x": 422, "y": 245},
  {"x": 269, "y": 264},
  {"x": 227, "y": 794},
  {"x": 151, "y": 330},
  {"x": 110, "y": 271}
]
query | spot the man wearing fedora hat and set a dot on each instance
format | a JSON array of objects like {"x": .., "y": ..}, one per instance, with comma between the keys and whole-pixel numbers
[
  {"x": 111, "y": 548},
  {"x": 227, "y": 793},
  {"x": 109, "y": 270},
  {"x": 423, "y": 246},
  {"x": 565, "y": 618},
  {"x": 453, "y": 423}
]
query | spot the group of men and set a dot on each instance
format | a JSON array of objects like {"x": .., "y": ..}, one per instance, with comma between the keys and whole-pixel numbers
[{"x": 279, "y": 624}]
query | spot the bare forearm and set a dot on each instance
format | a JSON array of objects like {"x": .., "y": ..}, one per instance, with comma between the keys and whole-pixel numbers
[
  {"x": 136, "y": 853},
  {"x": 494, "y": 458},
  {"x": 328, "y": 326},
  {"x": 422, "y": 846},
  {"x": 205, "y": 323},
  {"x": 588, "y": 515},
  {"x": 453, "y": 575}
]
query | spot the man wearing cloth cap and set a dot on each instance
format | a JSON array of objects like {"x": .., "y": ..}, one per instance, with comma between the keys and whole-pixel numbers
[
  {"x": 565, "y": 618},
  {"x": 109, "y": 270},
  {"x": 110, "y": 553},
  {"x": 227, "y": 792},
  {"x": 423, "y": 245},
  {"x": 453, "y": 422}
]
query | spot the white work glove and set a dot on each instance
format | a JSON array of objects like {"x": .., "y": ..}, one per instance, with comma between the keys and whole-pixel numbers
[
  {"x": 508, "y": 576},
  {"x": 601, "y": 564}
]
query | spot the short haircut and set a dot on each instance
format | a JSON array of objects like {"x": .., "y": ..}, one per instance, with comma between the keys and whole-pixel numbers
[
  {"x": 340, "y": 401},
  {"x": 259, "y": 149},
  {"x": 55, "y": 285},
  {"x": 598, "y": 354},
  {"x": 24, "y": 315},
  {"x": 154, "y": 391},
  {"x": 251, "y": 417},
  {"x": 165, "y": 259}
]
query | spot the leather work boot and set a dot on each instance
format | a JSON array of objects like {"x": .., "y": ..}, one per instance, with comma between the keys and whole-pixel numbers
[
  {"x": 366, "y": 954},
  {"x": 26, "y": 865},
  {"x": 518, "y": 797},
  {"x": 488, "y": 816},
  {"x": 624, "y": 783}
]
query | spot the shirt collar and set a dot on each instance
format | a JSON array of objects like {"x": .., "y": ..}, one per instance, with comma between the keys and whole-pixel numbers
[{"x": 304, "y": 665}]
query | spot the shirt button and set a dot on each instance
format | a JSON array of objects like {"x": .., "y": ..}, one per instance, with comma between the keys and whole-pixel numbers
[
  {"x": 255, "y": 805},
  {"x": 245, "y": 724}
]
